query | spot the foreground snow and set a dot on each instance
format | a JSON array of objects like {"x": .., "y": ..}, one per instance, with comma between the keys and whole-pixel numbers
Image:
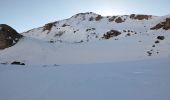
[
  {"x": 71, "y": 60},
  {"x": 135, "y": 80}
]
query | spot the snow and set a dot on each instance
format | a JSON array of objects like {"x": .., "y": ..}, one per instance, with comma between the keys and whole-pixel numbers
[
  {"x": 80, "y": 23},
  {"x": 33, "y": 51},
  {"x": 132, "y": 80},
  {"x": 115, "y": 69},
  {"x": 36, "y": 48}
]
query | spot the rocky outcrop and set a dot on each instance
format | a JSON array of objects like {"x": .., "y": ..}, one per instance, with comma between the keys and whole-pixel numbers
[
  {"x": 110, "y": 34},
  {"x": 49, "y": 26},
  {"x": 119, "y": 20},
  {"x": 98, "y": 18},
  {"x": 111, "y": 19},
  {"x": 164, "y": 25},
  {"x": 140, "y": 17},
  {"x": 8, "y": 36}
]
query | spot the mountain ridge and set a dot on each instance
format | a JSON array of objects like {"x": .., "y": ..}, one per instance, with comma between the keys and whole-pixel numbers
[{"x": 88, "y": 24}]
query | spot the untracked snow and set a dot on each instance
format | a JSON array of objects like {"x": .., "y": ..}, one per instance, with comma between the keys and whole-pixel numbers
[{"x": 134, "y": 80}]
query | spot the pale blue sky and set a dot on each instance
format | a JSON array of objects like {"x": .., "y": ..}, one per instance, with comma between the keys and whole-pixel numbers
[{"x": 27, "y": 14}]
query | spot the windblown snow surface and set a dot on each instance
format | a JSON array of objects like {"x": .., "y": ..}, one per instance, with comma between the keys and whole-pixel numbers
[
  {"x": 132, "y": 80},
  {"x": 71, "y": 61}
]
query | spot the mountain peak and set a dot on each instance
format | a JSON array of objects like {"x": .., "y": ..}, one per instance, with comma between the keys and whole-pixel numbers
[
  {"x": 85, "y": 14},
  {"x": 90, "y": 26},
  {"x": 142, "y": 35}
]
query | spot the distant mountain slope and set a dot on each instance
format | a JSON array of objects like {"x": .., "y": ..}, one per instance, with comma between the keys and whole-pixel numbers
[
  {"x": 91, "y": 38},
  {"x": 90, "y": 26}
]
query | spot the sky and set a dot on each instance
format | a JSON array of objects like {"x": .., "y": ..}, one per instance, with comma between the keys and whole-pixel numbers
[{"x": 24, "y": 15}]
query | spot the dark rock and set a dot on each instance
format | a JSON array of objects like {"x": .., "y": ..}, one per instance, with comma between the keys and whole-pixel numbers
[
  {"x": 90, "y": 29},
  {"x": 140, "y": 17},
  {"x": 8, "y": 36},
  {"x": 91, "y": 19},
  {"x": 153, "y": 45},
  {"x": 99, "y": 17},
  {"x": 132, "y": 16},
  {"x": 128, "y": 34},
  {"x": 149, "y": 53},
  {"x": 158, "y": 26},
  {"x": 17, "y": 63},
  {"x": 49, "y": 26},
  {"x": 164, "y": 25},
  {"x": 51, "y": 41},
  {"x": 161, "y": 37},
  {"x": 59, "y": 34},
  {"x": 64, "y": 25},
  {"x": 112, "y": 18},
  {"x": 119, "y": 20},
  {"x": 97, "y": 36},
  {"x": 156, "y": 41},
  {"x": 111, "y": 34}
]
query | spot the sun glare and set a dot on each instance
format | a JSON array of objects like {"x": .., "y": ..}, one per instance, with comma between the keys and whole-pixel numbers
[{"x": 110, "y": 11}]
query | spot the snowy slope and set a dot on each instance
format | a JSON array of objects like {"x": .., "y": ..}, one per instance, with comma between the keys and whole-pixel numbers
[
  {"x": 134, "y": 80},
  {"x": 91, "y": 26},
  {"x": 82, "y": 58},
  {"x": 82, "y": 41},
  {"x": 32, "y": 51}
]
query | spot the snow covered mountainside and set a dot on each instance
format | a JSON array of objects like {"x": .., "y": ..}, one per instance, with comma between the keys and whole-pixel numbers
[
  {"x": 90, "y": 26},
  {"x": 92, "y": 38},
  {"x": 88, "y": 57}
]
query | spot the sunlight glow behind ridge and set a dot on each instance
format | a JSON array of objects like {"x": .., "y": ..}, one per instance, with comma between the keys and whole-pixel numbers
[{"x": 27, "y": 14}]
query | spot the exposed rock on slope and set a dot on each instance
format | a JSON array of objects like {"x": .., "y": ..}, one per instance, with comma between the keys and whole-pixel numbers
[
  {"x": 164, "y": 25},
  {"x": 140, "y": 17},
  {"x": 8, "y": 36},
  {"x": 49, "y": 26},
  {"x": 75, "y": 29},
  {"x": 92, "y": 38},
  {"x": 111, "y": 34}
]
